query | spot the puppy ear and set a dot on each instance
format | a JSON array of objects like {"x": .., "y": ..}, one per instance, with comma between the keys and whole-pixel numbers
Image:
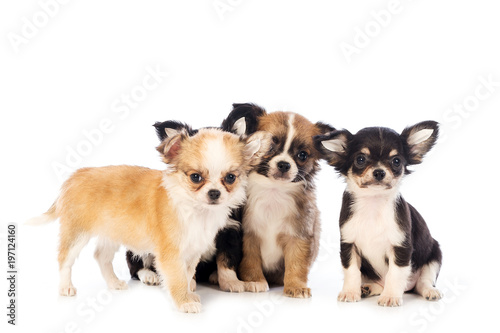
[
  {"x": 257, "y": 146},
  {"x": 324, "y": 128},
  {"x": 171, "y": 146},
  {"x": 333, "y": 146},
  {"x": 170, "y": 128},
  {"x": 419, "y": 139},
  {"x": 250, "y": 114},
  {"x": 240, "y": 126}
]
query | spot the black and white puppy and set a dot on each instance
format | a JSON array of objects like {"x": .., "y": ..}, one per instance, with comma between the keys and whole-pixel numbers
[
  {"x": 221, "y": 262},
  {"x": 386, "y": 247}
]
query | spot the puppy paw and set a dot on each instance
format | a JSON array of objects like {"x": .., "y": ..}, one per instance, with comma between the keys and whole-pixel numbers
[
  {"x": 194, "y": 298},
  {"x": 390, "y": 301},
  {"x": 118, "y": 285},
  {"x": 236, "y": 286},
  {"x": 192, "y": 285},
  {"x": 190, "y": 307},
  {"x": 67, "y": 291},
  {"x": 213, "y": 278},
  {"x": 257, "y": 287},
  {"x": 349, "y": 296},
  {"x": 148, "y": 277},
  {"x": 371, "y": 289},
  {"x": 432, "y": 294},
  {"x": 297, "y": 292}
]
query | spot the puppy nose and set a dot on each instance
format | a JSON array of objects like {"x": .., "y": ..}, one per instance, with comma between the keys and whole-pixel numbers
[
  {"x": 379, "y": 174},
  {"x": 214, "y": 194},
  {"x": 284, "y": 166}
]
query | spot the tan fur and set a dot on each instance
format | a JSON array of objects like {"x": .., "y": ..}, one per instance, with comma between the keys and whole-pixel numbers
[
  {"x": 298, "y": 235},
  {"x": 136, "y": 207},
  {"x": 251, "y": 263},
  {"x": 298, "y": 259}
]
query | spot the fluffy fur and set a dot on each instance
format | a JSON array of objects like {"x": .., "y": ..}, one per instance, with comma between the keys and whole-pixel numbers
[
  {"x": 174, "y": 214},
  {"x": 220, "y": 263},
  {"x": 280, "y": 220},
  {"x": 386, "y": 247}
]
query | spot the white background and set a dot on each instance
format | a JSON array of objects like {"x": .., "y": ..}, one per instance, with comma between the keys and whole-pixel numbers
[{"x": 69, "y": 72}]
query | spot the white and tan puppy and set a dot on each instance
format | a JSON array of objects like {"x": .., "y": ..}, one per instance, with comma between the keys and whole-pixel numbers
[
  {"x": 281, "y": 222},
  {"x": 173, "y": 214}
]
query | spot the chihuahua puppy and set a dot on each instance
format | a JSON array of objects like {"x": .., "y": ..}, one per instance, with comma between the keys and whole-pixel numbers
[
  {"x": 174, "y": 214},
  {"x": 386, "y": 247},
  {"x": 281, "y": 225},
  {"x": 220, "y": 263}
]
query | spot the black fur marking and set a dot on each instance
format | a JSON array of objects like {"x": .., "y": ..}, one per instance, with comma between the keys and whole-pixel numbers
[
  {"x": 368, "y": 270},
  {"x": 402, "y": 255},
  {"x": 380, "y": 141},
  {"x": 204, "y": 270},
  {"x": 135, "y": 264},
  {"x": 345, "y": 254},
  {"x": 250, "y": 111},
  {"x": 346, "y": 210},
  {"x": 229, "y": 241},
  {"x": 160, "y": 128},
  {"x": 425, "y": 248}
]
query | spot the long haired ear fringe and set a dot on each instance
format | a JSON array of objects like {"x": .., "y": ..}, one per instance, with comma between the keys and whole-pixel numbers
[
  {"x": 170, "y": 147},
  {"x": 170, "y": 128},
  {"x": 333, "y": 147},
  {"x": 419, "y": 140},
  {"x": 250, "y": 112}
]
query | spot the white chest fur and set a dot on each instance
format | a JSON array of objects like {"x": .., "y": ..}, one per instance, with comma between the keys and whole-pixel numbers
[
  {"x": 199, "y": 223},
  {"x": 373, "y": 227},
  {"x": 198, "y": 230},
  {"x": 269, "y": 207}
]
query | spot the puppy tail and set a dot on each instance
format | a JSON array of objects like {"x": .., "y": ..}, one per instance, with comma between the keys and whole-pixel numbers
[{"x": 47, "y": 217}]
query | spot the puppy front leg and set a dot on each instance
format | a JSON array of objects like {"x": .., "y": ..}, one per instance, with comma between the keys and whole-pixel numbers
[
  {"x": 175, "y": 273},
  {"x": 191, "y": 270},
  {"x": 396, "y": 278},
  {"x": 351, "y": 263},
  {"x": 251, "y": 264},
  {"x": 297, "y": 253}
]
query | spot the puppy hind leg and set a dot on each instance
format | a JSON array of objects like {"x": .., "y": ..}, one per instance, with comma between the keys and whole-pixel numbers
[
  {"x": 104, "y": 254},
  {"x": 371, "y": 288},
  {"x": 251, "y": 265},
  {"x": 226, "y": 276},
  {"x": 69, "y": 248},
  {"x": 425, "y": 285},
  {"x": 147, "y": 274}
]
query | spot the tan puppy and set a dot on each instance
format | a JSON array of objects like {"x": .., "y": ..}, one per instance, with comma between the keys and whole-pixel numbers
[{"x": 174, "y": 214}]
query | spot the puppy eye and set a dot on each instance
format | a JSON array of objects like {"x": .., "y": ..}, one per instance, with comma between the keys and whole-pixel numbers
[
  {"x": 196, "y": 178},
  {"x": 276, "y": 140},
  {"x": 302, "y": 156},
  {"x": 396, "y": 162},
  {"x": 360, "y": 160},
  {"x": 230, "y": 178}
]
